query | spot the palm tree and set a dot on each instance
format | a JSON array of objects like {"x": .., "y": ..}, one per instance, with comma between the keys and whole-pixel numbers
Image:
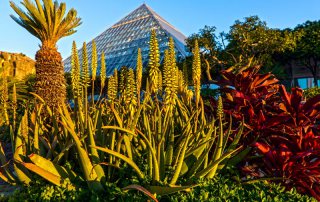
[{"x": 49, "y": 23}]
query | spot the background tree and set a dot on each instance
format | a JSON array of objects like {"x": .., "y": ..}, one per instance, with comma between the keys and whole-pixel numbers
[
  {"x": 249, "y": 42},
  {"x": 282, "y": 61},
  {"x": 308, "y": 47},
  {"x": 252, "y": 42},
  {"x": 49, "y": 23}
]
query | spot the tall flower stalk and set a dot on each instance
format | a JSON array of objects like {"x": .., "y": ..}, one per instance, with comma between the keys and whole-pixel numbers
[
  {"x": 185, "y": 72},
  {"x": 196, "y": 72},
  {"x": 94, "y": 65},
  {"x": 76, "y": 77},
  {"x": 85, "y": 79},
  {"x": 116, "y": 77},
  {"x": 139, "y": 74},
  {"x": 131, "y": 99},
  {"x": 170, "y": 80},
  {"x": 75, "y": 71},
  {"x": 103, "y": 72},
  {"x": 112, "y": 89},
  {"x": 123, "y": 82},
  {"x": 14, "y": 106},
  {"x": 154, "y": 63}
]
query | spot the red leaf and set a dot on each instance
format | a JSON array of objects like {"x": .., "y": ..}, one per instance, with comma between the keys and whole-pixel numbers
[
  {"x": 285, "y": 96},
  {"x": 262, "y": 118},
  {"x": 312, "y": 103},
  {"x": 264, "y": 148},
  {"x": 281, "y": 118},
  {"x": 268, "y": 82},
  {"x": 296, "y": 98},
  {"x": 251, "y": 111}
]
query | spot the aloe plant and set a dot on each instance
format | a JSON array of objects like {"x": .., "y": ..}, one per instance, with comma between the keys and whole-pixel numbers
[{"x": 173, "y": 137}]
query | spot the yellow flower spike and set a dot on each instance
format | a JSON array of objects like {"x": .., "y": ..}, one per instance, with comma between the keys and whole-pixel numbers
[
  {"x": 112, "y": 89},
  {"x": 131, "y": 101},
  {"x": 94, "y": 60},
  {"x": 196, "y": 72},
  {"x": 85, "y": 78},
  {"x": 154, "y": 63},
  {"x": 139, "y": 73},
  {"x": 103, "y": 75},
  {"x": 75, "y": 71},
  {"x": 115, "y": 75}
]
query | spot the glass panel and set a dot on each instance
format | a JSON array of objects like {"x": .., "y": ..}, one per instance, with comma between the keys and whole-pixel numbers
[
  {"x": 303, "y": 83},
  {"x": 120, "y": 42}
]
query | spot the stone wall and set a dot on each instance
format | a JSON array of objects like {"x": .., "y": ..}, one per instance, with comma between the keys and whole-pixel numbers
[{"x": 17, "y": 64}]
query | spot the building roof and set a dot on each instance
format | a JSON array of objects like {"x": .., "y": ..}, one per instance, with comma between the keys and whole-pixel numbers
[{"x": 121, "y": 41}]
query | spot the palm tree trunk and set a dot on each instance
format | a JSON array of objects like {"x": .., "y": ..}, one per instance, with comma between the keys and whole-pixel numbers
[{"x": 50, "y": 81}]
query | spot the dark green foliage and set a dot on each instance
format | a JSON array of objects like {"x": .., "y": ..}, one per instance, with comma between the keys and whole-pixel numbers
[
  {"x": 42, "y": 191},
  {"x": 68, "y": 78},
  {"x": 308, "y": 47},
  {"x": 222, "y": 189},
  {"x": 278, "y": 70},
  {"x": 248, "y": 42},
  {"x": 252, "y": 42}
]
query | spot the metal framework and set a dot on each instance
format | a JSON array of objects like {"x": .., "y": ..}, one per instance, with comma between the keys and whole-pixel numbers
[{"x": 120, "y": 42}]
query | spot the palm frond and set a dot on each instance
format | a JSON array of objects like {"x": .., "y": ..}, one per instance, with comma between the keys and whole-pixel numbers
[{"x": 47, "y": 21}]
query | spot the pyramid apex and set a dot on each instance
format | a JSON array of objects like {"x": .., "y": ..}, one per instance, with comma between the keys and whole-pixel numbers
[{"x": 144, "y": 4}]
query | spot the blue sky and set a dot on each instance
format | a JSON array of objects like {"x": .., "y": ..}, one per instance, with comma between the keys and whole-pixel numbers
[{"x": 186, "y": 15}]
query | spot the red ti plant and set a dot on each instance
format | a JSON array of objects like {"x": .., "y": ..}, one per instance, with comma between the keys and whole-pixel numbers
[
  {"x": 248, "y": 95},
  {"x": 291, "y": 143},
  {"x": 281, "y": 126}
]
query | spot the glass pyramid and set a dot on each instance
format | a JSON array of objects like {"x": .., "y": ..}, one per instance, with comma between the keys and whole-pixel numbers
[{"x": 120, "y": 42}]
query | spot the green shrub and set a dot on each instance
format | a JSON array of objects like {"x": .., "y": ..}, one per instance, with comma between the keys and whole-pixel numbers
[
  {"x": 42, "y": 191},
  {"x": 311, "y": 92},
  {"x": 226, "y": 189},
  {"x": 220, "y": 189}
]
